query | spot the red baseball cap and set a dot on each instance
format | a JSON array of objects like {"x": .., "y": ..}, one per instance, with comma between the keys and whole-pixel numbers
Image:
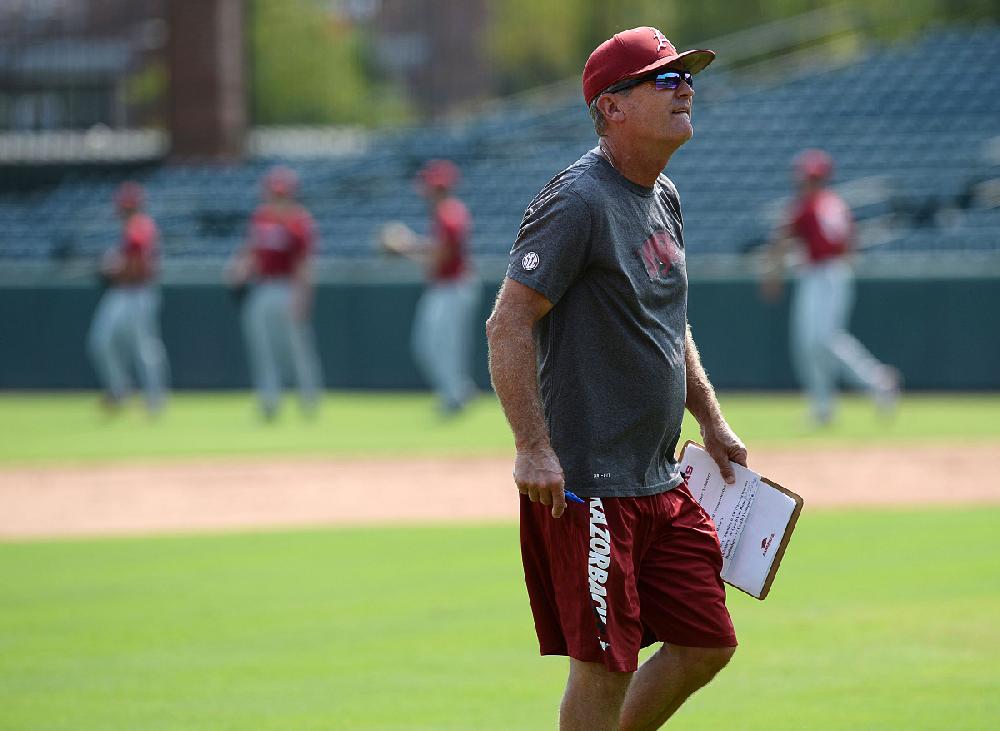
[
  {"x": 281, "y": 181},
  {"x": 440, "y": 174},
  {"x": 813, "y": 165},
  {"x": 129, "y": 196},
  {"x": 633, "y": 53}
]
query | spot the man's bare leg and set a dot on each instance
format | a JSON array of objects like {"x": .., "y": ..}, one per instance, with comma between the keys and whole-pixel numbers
[
  {"x": 666, "y": 680},
  {"x": 593, "y": 697}
]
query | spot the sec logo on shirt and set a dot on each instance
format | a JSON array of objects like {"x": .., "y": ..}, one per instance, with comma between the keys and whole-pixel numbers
[{"x": 530, "y": 261}]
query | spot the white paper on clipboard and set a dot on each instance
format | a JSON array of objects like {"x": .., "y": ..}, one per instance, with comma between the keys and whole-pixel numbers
[{"x": 754, "y": 518}]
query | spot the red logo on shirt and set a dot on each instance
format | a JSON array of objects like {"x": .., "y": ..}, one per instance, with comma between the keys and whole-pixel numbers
[{"x": 659, "y": 252}]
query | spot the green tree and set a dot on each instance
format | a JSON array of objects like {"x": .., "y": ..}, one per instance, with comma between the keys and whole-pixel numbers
[
  {"x": 533, "y": 42},
  {"x": 309, "y": 69}
]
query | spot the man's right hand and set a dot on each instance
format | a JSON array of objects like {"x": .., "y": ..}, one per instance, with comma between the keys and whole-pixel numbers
[
  {"x": 538, "y": 474},
  {"x": 112, "y": 263},
  {"x": 771, "y": 288}
]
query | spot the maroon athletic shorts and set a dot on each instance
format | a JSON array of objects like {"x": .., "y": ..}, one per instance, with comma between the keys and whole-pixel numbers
[{"x": 616, "y": 574}]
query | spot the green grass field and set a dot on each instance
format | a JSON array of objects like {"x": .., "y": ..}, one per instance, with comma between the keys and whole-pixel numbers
[
  {"x": 58, "y": 428},
  {"x": 878, "y": 620}
]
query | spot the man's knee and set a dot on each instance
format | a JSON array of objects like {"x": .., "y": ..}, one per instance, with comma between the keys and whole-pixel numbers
[
  {"x": 702, "y": 663},
  {"x": 593, "y": 697},
  {"x": 597, "y": 677},
  {"x": 721, "y": 656},
  {"x": 595, "y": 681}
]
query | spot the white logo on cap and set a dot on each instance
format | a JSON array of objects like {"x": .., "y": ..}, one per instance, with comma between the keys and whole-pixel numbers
[
  {"x": 661, "y": 40},
  {"x": 530, "y": 261}
]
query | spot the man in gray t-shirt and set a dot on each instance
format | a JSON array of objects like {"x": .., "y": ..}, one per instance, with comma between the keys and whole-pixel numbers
[
  {"x": 593, "y": 361},
  {"x": 610, "y": 254}
]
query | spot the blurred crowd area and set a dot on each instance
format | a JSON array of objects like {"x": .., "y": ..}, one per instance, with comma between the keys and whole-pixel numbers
[
  {"x": 70, "y": 64},
  {"x": 355, "y": 95}
]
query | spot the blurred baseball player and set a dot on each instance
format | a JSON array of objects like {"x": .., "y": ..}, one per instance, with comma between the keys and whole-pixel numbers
[
  {"x": 594, "y": 363},
  {"x": 443, "y": 321},
  {"x": 821, "y": 223},
  {"x": 275, "y": 264},
  {"x": 125, "y": 330}
]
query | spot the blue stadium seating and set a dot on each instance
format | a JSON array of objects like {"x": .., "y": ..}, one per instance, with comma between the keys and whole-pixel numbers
[{"x": 889, "y": 115}]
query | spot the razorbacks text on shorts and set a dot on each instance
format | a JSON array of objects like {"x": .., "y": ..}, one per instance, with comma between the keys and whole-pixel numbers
[{"x": 599, "y": 562}]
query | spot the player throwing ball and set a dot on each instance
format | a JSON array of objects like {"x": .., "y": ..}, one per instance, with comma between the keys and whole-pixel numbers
[
  {"x": 441, "y": 339},
  {"x": 126, "y": 327},
  {"x": 277, "y": 312},
  {"x": 593, "y": 361}
]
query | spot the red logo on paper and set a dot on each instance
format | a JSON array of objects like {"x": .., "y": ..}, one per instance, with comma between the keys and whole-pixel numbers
[
  {"x": 766, "y": 544},
  {"x": 659, "y": 252}
]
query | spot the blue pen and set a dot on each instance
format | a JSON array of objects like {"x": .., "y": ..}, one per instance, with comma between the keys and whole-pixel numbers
[{"x": 573, "y": 497}]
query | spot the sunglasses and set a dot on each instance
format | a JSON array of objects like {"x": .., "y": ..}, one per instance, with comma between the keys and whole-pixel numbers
[{"x": 665, "y": 81}]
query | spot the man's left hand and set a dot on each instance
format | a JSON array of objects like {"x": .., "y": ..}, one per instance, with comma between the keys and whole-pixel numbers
[
  {"x": 724, "y": 447},
  {"x": 300, "y": 308}
]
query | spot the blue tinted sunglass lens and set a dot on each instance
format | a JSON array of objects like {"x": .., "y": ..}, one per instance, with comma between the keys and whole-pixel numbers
[{"x": 672, "y": 79}]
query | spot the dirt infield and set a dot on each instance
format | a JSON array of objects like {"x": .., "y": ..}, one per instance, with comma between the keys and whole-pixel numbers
[{"x": 226, "y": 495}]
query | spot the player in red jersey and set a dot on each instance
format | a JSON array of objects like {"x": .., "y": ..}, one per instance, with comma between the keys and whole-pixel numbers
[
  {"x": 821, "y": 223},
  {"x": 277, "y": 313},
  {"x": 442, "y": 325},
  {"x": 125, "y": 329}
]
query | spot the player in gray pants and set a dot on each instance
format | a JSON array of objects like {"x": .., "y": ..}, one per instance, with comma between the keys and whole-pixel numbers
[
  {"x": 277, "y": 326},
  {"x": 442, "y": 324},
  {"x": 125, "y": 330},
  {"x": 442, "y": 330},
  {"x": 823, "y": 351}
]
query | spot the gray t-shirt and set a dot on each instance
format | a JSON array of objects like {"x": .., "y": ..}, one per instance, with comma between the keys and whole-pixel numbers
[{"x": 609, "y": 254}]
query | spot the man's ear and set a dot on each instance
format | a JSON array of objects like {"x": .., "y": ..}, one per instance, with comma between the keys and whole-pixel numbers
[{"x": 608, "y": 104}]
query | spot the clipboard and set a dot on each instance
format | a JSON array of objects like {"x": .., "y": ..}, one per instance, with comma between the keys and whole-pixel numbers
[{"x": 755, "y": 518}]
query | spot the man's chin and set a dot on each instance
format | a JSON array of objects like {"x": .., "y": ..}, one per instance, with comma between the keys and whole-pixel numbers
[
  {"x": 682, "y": 138},
  {"x": 684, "y": 134}
]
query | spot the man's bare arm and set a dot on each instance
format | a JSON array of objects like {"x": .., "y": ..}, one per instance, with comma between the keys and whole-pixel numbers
[
  {"x": 240, "y": 267},
  {"x": 773, "y": 264},
  {"x": 720, "y": 440},
  {"x": 514, "y": 371},
  {"x": 302, "y": 290}
]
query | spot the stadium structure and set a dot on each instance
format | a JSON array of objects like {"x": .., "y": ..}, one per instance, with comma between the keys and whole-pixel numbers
[{"x": 917, "y": 158}]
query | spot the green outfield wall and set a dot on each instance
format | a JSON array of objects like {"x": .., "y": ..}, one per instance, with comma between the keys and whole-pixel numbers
[{"x": 942, "y": 334}]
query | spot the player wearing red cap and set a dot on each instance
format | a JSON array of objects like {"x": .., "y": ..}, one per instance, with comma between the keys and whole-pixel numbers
[
  {"x": 594, "y": 363},
  {"x": 274, "y": 263},
  {"x": 125, "y": 329},
  {"x": 822, "y": 348},
  {"x": 443, "y": 320}
]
